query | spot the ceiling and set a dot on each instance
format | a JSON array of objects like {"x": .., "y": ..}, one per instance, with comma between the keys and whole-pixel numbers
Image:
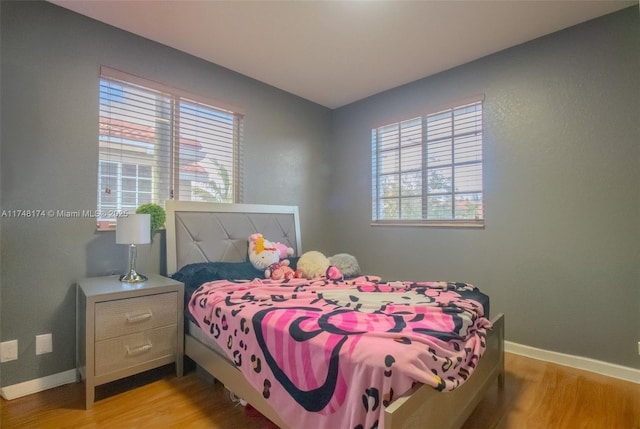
[{"x": 337, "y": 52}]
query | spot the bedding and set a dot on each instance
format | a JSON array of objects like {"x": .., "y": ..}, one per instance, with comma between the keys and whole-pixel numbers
[
  {"x": 194, "y": 275},
  {"x": 334, "y": 354}
]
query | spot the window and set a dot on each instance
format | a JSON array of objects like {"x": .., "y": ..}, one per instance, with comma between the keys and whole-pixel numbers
[
  {"x": 158, "y": 143},
  {"x": 428, "y": 170}
]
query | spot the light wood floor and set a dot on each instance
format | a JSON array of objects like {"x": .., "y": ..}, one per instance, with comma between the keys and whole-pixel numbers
[{"x": 537, "y": 395}]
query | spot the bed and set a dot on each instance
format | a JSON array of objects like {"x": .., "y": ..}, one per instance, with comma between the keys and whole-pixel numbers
[{"x": 210, "y": 236}]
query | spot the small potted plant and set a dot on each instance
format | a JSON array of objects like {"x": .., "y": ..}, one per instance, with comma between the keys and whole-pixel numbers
[{"x": 158, "y": 216}]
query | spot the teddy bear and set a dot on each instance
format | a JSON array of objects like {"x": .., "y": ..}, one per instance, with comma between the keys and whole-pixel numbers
[{"x": 266, "y": 256}]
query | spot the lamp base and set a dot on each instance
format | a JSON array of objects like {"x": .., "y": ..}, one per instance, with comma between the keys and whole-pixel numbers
[{"x": 133, "y": 277}]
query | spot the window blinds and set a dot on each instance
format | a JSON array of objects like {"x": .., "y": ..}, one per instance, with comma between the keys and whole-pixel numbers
[
  {"x": 158, "y": 143},
  {"x": 429, "y": 169}
]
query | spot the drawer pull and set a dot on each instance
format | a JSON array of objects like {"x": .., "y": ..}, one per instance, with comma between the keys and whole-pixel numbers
[
  {"x": 132, "y": 351},
  {"x": 136, "y": 318}
]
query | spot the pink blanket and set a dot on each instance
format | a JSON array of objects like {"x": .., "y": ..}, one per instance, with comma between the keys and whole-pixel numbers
[{"x": 334, "y": 354}]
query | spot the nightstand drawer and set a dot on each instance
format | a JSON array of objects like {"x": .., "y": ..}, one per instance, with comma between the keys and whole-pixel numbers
[
  {"x": 126, "y": 316},
  {"x": 125, "y": 352},
  {"x": 125, "y": 329}
]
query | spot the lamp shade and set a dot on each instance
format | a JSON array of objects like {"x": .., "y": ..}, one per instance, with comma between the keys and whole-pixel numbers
[{"x": 133, "y": 229}]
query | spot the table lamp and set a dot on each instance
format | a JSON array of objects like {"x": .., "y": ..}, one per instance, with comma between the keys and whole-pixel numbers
[{"x": 133, "y": 229}]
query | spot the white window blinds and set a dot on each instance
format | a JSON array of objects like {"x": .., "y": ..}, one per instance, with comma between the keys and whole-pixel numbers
[
  {"x": 429, "y": 169},
  {"x": 158, "y": 143}
]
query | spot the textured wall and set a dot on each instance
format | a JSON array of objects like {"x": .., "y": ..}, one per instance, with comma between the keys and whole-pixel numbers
[
  {"x": 561, "y": 176},
  {"x": 560, "y": 250},
  {"x": 50, "y": 69}
]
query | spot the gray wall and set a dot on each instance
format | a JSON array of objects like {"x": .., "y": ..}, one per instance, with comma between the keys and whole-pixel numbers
[
  {"x": 562, "y": 175},
  {"x": 50, "y": 64},
  {"x": 560, "y": 251}
]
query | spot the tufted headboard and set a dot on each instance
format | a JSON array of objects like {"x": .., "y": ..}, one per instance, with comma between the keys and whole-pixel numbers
[{"x": 218, "y": 232}]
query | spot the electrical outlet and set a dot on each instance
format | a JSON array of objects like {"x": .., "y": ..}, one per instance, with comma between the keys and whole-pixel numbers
[
  {"x": 639, "y": 347},
  {"x": 9, "y": 351},
  {"x": 44, "y": 344}
]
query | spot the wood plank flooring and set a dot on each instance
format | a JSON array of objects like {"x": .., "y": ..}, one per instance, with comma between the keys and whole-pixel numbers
[
  {"x": 538, "y": 395},
  {"x": 541, "y": 395}
]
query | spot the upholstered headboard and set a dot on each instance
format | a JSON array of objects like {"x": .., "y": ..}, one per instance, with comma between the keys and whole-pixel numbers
[{"x": 212, "y": 232}]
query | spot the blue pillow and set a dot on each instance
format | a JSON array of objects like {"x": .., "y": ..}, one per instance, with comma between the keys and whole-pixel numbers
[{"x": 194, "y": 275}]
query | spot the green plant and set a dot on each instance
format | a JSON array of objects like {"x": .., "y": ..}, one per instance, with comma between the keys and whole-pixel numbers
[
  {"x": 214, "y": 192},
  {"x": 158, "y": 215}
]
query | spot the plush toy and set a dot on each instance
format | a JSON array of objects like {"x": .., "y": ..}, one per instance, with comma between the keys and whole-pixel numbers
[
  {"x": 265, "y": 256},
  {"x": 280, "y": 271},
  {"x": 284, "y": 250},
  {"x": 262, "y": 252},
  {"x": 314, "y": 264},
  {"x": 333, "y": 273},
  {"x": 346, "y": 263}
]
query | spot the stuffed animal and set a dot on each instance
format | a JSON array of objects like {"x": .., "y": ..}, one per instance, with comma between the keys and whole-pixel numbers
[
  {"x": 333, "y": 273},
  {"x": 314, "y": 264},
  {"x": 262, "y": 252},
  {"x": 266, "y": 256},
  {"x": 346, "y": 263},
  {"x": 285, "y": 251},
  {"x": 280, "y": 271}
]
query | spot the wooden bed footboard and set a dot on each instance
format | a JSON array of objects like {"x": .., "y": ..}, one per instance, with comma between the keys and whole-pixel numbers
[{"x": 422, "y": 407}]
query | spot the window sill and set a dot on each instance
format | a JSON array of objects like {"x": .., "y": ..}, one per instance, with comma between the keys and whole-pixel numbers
[
  {"x": 111, "y": 226},
  {"x": 105, "y": 226},
  {"x": 432, "y": 223}
]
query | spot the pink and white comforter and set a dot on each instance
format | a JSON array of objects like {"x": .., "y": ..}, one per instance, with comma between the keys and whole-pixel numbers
[{"x": 334, "y": 354}]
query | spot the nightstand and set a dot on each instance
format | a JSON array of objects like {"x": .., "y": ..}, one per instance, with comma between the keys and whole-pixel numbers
[{"x": 127, "y": 328}]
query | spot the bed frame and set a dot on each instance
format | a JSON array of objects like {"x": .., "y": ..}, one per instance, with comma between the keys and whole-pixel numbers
[{"x": 208, "y": 232}]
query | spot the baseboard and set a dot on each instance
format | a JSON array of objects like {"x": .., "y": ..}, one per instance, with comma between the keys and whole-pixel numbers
[
  {"x": 39, "y": 384},
  {"x": 578, "y": 362}
]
